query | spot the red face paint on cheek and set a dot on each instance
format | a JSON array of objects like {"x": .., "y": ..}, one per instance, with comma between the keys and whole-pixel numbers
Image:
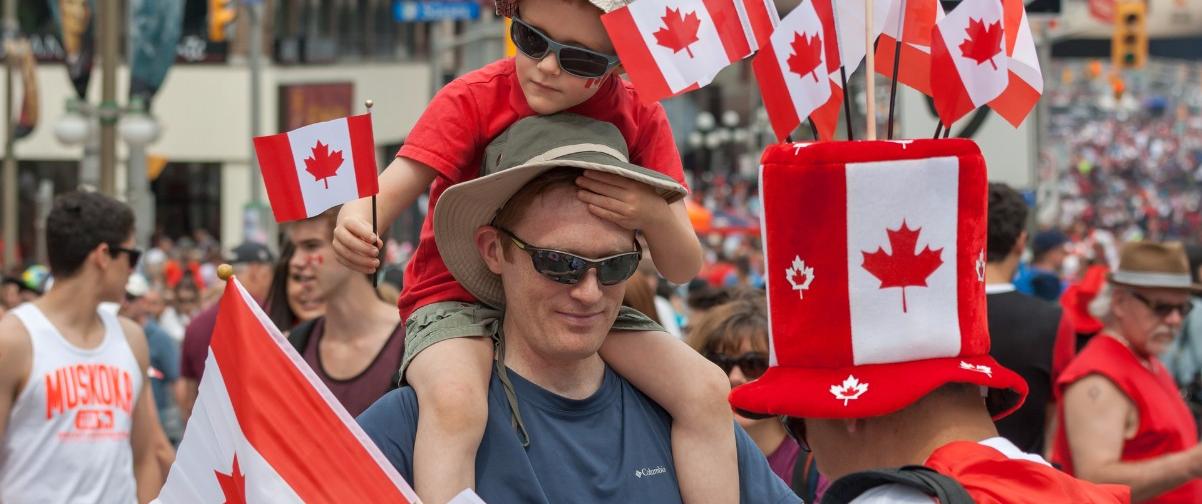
[{"x": 590, "y": 83}]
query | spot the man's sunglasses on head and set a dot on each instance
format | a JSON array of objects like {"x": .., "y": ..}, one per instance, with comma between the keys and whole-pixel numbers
[
  {"x": 568, "y": 268},
  {"x": 131, "y": 254},
  {"x": 575, "y": 60}
]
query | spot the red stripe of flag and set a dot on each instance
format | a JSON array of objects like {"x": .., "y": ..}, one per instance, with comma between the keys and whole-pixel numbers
[
  {"x": 287, "y": 421},
  {"x": 762, "y": 21},
  {"x": 1016, "y": 101},
  {"x": 640, "y": 65},
  {"x": 915, "y": 70},
  {"x": 777, "y": 100},
  {"x": 951, "y": 97},
  {"x": 730, "y": 28},
  {"x": 278, "y": 168},
  {"x": 826, "y": 117},
  {"x": 363, "y": 150},
  {"x": 971, "y": 287}
]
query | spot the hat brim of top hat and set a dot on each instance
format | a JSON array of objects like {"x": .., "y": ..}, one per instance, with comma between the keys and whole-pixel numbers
[{"x": 809, "y": 392}]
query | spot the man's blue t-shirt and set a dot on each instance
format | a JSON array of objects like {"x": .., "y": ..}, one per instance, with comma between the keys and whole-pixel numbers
[{"x": 614, "y": 446}]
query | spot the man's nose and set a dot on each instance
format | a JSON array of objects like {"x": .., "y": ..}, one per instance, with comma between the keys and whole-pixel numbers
[{"x": 588, "y": 289}]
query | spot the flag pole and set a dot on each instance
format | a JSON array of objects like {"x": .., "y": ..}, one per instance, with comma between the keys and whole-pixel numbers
[
  {"x": 901, "y": 36},
  {"x": 869, "y": 72},
  {"x": 225, "y": 272},
  {"x": 813, "y": 129},
  {"x": 846, "y": 100},
  {"x": 938, "y": 129},
  {"x": 375, "y": 228}
]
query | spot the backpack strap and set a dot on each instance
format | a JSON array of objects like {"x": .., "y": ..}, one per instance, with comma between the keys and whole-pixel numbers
[
  {"x": 804, "y": 481},
  {"x": 924, "y": 479}
]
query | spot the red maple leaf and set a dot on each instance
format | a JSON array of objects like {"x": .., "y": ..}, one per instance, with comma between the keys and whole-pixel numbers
[
  {"x": 903, "y": 268},
  {"x": 323, "y": 164},
  {"x": 233, "y": 485},
  {"x": 983, "y": 42},
  {"x": 679, "y": 32},
  {"x": 807, "y": 55}
]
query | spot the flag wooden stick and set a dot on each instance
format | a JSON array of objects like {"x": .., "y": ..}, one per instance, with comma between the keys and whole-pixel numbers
[
  {"x": 901, "y": 23},
  {"x": 846, "y": 101},
  {"x": 813, "y": 129},
  {"x": 375, "y": 227},
  {"x": 947, "y": 131},
  {"x": 869, "y": 72},
  {"x": 938, "y": 129}
]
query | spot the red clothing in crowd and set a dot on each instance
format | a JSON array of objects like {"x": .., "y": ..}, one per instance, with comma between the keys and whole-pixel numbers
[
  {"x": 463, "y": 119},
  {"x": 1165, "y": 423},
  {"x": 991, "y": 477}
]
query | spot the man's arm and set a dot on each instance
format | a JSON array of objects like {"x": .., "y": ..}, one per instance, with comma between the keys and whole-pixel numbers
[
  {"x": 1097, "y": 418},
  {"x": 16, "y": 355},
  {"x": 146, "y": 434},
  {"x": 186, "y": 390}
]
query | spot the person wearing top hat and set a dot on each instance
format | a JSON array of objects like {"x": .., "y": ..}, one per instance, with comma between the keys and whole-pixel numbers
[
  {"x": 880, "y": 344},
  {"x": 562, "y": 426},
  {"x": 1122, "y": 418}
]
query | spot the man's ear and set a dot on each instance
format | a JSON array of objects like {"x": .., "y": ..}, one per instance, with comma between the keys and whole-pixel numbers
[
  {"x": 488, "y": 243},
  {"x": 1020, "y": 244},
  {"x": 101, "y": 256}
]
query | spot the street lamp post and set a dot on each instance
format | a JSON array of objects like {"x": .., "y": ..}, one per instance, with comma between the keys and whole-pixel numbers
[{"x": 10, "y": 160}]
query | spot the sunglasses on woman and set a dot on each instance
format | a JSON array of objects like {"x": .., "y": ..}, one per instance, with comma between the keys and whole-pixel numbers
[
  {"x": 752, "y": 364},
  {"x": 575, "y": 60},
  {"x": 568, "y": 268}
]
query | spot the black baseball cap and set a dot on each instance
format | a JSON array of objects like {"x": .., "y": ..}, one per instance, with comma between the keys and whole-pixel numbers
[{"x": 250, "y": 252}]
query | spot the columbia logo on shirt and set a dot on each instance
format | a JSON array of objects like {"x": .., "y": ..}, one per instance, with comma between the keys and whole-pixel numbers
[{"x": 648, "y": 471}]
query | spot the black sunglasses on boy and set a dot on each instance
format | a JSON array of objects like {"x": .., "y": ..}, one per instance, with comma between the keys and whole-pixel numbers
[
  {"x": 575, "y": 60},
  {"x": 568, "y": 268}
]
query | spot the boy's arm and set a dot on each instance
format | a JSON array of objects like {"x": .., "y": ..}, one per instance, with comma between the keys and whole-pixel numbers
[
  {"x": 637, "y": 206},
  {"x": 355, "y": 243}
]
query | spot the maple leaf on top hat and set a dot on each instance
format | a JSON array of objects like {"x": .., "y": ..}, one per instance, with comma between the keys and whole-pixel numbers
[
  {"x": 850, "y": 389},
  {"x": 323, "y": 164},
  {"x": 233, "y": 485},
  {"x": 983, "y": 42},
  {"x": 679, "y": 31},
  {"x": 807, "y": 55},
  {"x": 903, "y": 268}
]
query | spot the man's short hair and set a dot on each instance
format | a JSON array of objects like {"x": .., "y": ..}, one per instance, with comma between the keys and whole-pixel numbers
[
  {"x": 79, "y": 222},
  {"x": 518, "y": 205},
  {"x": 1007, "y": 219}
]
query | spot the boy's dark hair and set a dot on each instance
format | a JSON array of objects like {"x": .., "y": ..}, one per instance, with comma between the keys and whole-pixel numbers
[
  {"x": 1007, "y": 220},
  {"x": 78, "y": 222}
]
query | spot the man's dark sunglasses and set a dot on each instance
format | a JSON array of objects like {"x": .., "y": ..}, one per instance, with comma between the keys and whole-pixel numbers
[
  {"x": 796, "y": 428},
  {"x": 1163, "y": 310},
  {"x": 575, "y": 60},
  {"x": 752, "y": 364},
  {"x": 131, "y": 254},
  {"x": 568, "y": 268}
]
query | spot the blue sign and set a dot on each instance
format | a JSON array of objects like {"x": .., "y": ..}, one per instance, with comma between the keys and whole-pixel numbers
[{"x": 417, "y": 11}]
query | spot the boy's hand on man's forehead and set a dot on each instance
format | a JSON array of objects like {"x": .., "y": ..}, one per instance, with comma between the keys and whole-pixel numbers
[{"x": 623, "y": 201}]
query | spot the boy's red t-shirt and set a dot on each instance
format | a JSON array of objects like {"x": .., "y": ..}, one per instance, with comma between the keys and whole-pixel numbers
[{"x": 467, "y": 114}]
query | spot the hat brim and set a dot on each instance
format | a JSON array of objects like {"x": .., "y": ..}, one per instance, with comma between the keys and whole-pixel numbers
[
  {"x": 810, "y": 392},
  {"x": 466, "y": 206},
  {"x": 1193, "y": 288}
]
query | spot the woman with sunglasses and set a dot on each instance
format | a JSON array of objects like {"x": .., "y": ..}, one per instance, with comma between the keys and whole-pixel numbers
[
  {"x": 565, "y": 62},
  {"x": 734, "y": 335}
]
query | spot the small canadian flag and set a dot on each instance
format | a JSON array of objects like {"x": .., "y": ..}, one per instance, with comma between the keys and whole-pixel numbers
[
  {"x": 792, "y": 70},
  {"x": 313, "y": 168},
  {"x": 969, "y": 66}
]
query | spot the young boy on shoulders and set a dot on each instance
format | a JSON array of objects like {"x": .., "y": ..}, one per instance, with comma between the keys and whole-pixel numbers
[{"x": 565, "y": 63}]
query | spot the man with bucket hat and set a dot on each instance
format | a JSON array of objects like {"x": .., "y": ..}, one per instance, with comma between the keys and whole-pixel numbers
[
  {"x": 562, "y": 426},
  {"x": 1122, "y": 419},
  {"x": 880, "y": 344}
]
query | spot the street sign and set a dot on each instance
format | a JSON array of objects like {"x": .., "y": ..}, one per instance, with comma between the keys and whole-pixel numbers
[{"x": 420, "y": 11}]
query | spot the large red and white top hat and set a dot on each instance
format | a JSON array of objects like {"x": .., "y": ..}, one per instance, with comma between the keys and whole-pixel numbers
[{"x": 876, "y": 279}]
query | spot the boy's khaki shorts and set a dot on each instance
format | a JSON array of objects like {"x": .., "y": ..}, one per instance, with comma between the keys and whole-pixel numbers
[{"x": 453, "y": 319}]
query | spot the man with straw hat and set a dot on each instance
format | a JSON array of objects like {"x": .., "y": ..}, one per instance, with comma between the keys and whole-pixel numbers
[
  {"x": 1122, "y": 419},
  {"x": 562, "y": 426},
  {"x": 880, "y": 345}
]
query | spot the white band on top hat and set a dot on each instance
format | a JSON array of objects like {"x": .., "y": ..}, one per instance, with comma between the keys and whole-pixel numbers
[
  {"x": 1168, "y": 280},
  {"x": 566, "y": 150}
]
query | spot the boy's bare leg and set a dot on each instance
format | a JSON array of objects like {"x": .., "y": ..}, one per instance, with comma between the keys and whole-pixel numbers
[
  {"x": 451, "y": 381},
  {"x": 693, "y": 390}
]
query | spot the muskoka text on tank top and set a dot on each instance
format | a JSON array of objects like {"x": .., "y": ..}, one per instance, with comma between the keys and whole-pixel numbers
[{"x": 68, "y": 436}]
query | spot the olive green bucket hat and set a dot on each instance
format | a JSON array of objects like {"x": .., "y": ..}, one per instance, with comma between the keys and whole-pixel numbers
[{"x": 528, "y": 148}]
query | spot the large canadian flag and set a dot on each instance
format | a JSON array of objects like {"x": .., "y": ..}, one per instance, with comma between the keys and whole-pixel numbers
[
  {"x": 1026, "y": 80},
  {"x": 671, "y": 46},
  {"x": 265, "y": 429},
  {"x": 911, "y": 22},
  {"x": 311, "y": 169},
  {"x": 792, "y": 71},
  {"x": 969, "y": 67}
]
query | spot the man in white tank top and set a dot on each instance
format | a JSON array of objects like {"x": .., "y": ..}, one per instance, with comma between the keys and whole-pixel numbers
[{"x": 76, "y": 422}]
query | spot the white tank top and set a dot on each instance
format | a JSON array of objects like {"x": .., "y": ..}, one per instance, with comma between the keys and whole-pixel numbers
[{"x": 68, "y": 436}]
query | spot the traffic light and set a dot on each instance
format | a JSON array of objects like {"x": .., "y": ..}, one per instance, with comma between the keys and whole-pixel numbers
[
  {"x": 1129, "y": 47},
  {"x": 221, "y": 18}
]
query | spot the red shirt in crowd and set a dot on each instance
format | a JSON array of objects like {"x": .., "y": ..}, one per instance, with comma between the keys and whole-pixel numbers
[
  {"x": 1165, "y": 423},
  {"x": 992, "y": 477},
  {"x": 465, "y": 116}
]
